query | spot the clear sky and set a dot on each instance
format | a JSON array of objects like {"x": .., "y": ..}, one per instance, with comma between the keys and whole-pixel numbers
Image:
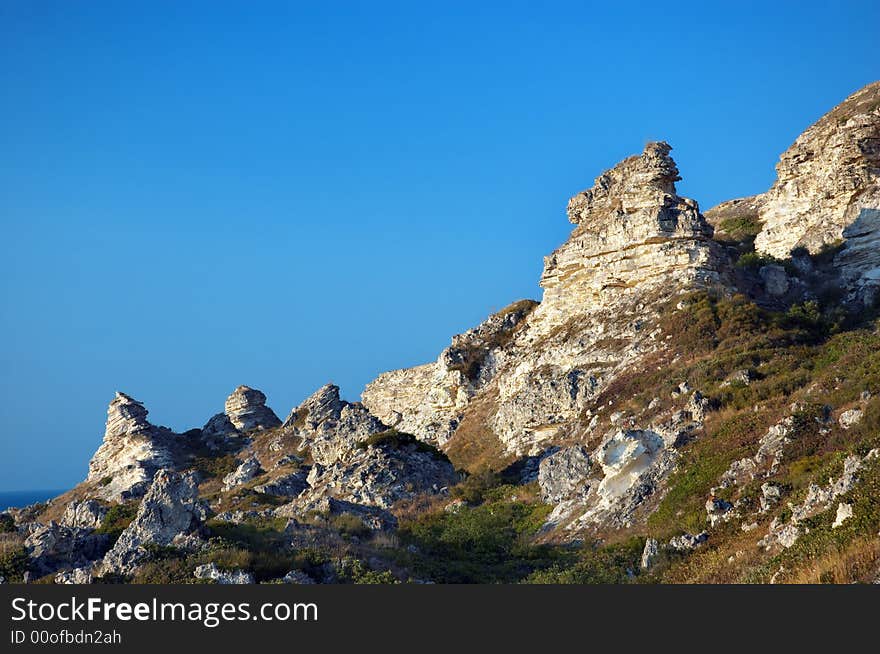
[{"x": 196, "y": 195}]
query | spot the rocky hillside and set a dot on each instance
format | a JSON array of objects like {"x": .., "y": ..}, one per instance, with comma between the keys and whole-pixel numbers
[{"x": 695, "y": 399}]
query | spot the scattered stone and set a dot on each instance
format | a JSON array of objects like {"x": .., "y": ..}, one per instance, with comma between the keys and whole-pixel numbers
[
  {"x": 238, "y": 517},
  {"x": 76, "y": 576},
  {"x": 718, "y": 510},
  {"x": 844, "y": 513},
  {"x": 297, "y": 577},
  {"x": 743, "y": 377},
  {"x": 649, "y": 554},
  {"x": 247, "y": 470},
  {"x": 211, "y": 572},
  {"x": 818, "y": 499},
  {"x": 688, "y": 542},
  {"x": 775, "y": 280},
  {"x": 850, "y": 418}
]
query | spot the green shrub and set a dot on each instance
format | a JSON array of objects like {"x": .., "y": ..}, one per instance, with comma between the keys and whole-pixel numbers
[
  {"x": 485, "y": 544},
  {"x": 349, "y": 524},
  {"x": 613, "y": 564},
  {"x": 13, "y": 563},
  {"x": 215, "y": 466},
  {"x": 473, "y": 489},
  {"x": 7, "y": 523},
  {"x": 118, "y": 517},
  {"x": 354, "y": 571}
]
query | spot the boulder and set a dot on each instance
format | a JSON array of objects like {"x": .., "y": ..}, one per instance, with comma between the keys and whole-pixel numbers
[
  {"x": 289, "y": 485},
  {"x": 844, "y": 513},
  {"x": 775, "y": 280},
  {"x": 169, "y": 513},
  {"x": 563, "y": 472},
  {"x": 649, "y": 553},
  {"x": 53, "y": 546},
  {"x": 850, "y": 418},
  {"x": 247, "y": 470},
  {"x": 88, "y": 514},
  {"x": 688, "y": 542},
  {"x": 210, "y": 571},
  {"x": 246, "y": 409}
]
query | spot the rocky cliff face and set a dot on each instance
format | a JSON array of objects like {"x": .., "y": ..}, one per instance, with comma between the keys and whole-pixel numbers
[
  {"x": 827, "y": 190},
  {"x": 637, "y": 242},
  {"x": 429, "y": 400},
  {"x": 171, "y": 513}
]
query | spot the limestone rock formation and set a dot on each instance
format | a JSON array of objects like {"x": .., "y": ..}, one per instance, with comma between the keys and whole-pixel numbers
[
  {"x": 88, "y": 514},
  {"x": 637, "y": 242},
  {"x": 589, "y": 395},
  {"x": 357, "y": 458},
  {"x": 381, "y": 475},
  {"x": 331, "y": 427},
  {"x": 564, "y": 471},
  {"x": 132, "y": 452},
  {"x": 828, "y": 190},
  {"x": 246, "y": 409},
  {"x": 53, "y": 546},
  {"x": 289, "y": 485},
  {"x": 170, "y": 511},
  {"x": 428, "y": 400},
  {"x": 634, "y": 234},
  {"x": 218, "y": 430}
]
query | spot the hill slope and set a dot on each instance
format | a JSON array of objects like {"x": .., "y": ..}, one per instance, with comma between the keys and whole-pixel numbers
[{"x": 695, "y": 399}]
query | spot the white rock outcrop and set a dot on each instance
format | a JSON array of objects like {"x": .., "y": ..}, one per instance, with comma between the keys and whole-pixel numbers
[
  {"x": 828, "y": 190},
  {"x": 246, "y": 409},
  {"x": 170, "y": 514},
  {"x": 132, "y": 452},
  {"x": 210, "y": 572}
]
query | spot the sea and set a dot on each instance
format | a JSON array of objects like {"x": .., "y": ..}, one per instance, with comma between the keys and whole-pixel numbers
[{"x": 9, "y": 499}]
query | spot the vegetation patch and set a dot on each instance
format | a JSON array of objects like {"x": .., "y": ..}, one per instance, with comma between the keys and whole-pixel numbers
[{"x": 118, "y": 517}]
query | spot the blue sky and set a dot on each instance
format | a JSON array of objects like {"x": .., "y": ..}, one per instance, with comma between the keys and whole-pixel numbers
[{"x": 198, "y": 195}]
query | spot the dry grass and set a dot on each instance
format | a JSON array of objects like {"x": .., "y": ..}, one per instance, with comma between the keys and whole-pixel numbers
[
  {"x": 58, "y": 505},
  {"x": 475, "y": 446},
  {"x": 857, "y": 562}
]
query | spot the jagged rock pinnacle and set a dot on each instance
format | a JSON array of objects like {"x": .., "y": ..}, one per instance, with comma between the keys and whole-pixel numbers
[{"x": 247, "y": 410}]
